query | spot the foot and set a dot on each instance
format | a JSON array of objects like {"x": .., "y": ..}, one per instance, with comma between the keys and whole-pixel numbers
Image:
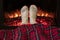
[
  {"x": 33, "y": 14},
  {"x": 24, "y": 14}
]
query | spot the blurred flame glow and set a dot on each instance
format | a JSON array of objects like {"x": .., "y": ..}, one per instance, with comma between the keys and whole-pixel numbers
[{"x": 17, "y": 13}]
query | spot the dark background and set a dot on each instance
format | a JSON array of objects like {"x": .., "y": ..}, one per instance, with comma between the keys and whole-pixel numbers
[{"x": 49, "y": 5}]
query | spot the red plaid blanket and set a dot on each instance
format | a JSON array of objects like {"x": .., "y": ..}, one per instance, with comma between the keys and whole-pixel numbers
[{"x": 31, "y": 32}]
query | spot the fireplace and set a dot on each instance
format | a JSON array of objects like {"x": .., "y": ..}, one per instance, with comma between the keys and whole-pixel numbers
[{"x": 46, "y": 9}]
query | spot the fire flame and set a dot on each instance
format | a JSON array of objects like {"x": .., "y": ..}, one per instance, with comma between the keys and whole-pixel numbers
[
  {"x": 13, "y": 14},
  {"x": 17, "y": 13},
  {"x": 42, "y": 14},
  {"x": 46, "y": 14}
]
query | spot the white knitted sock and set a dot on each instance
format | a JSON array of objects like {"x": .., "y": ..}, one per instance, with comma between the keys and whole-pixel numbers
[
  {"x": 24, "y": 14},
  {"x": 33, "y": 14}
]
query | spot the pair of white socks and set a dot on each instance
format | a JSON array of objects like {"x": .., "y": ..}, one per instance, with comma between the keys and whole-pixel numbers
[{"x": 32, "y": 14}]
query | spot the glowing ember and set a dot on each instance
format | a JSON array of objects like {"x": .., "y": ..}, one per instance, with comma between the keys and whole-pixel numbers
[{"x": 18, "y": 22}]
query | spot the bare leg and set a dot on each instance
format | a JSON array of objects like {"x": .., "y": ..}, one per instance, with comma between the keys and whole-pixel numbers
[
  {"x": 24, "y": 14},
  {"x": 33, "y": 14}
]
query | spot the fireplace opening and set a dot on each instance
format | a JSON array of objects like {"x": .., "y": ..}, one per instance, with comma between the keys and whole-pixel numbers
[{"x": 46, "y": 11}]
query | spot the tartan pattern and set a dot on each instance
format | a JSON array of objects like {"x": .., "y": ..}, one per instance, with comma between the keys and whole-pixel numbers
[{"x": 31, "y": 32}]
